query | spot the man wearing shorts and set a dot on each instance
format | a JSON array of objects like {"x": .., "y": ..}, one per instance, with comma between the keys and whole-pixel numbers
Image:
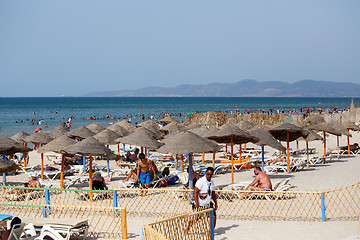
[
  {"x": 204, "y": 192},
  {"x": 143, "y": 171}
]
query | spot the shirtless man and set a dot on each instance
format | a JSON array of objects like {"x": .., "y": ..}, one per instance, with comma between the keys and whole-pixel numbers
[
  {"x": 261, "y": 183},
  {"x": 33, "y": 182},
  {"x": 143, "y": 170}
]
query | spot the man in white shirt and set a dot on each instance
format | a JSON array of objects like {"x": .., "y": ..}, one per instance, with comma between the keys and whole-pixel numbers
[{"x": 204, "y": 192}]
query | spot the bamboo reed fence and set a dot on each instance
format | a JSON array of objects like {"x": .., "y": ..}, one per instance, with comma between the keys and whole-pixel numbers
[
  {"x": 195, "y": 226},
  {"x": 106, "y": 220},
  {"x": 108, "y": 206}
]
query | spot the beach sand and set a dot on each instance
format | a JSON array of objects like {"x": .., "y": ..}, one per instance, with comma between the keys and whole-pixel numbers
[{"x": 334, "y": 174}]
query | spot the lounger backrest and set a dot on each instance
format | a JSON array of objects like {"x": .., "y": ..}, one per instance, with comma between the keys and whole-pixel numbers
[{"x": 16, "y": 231}]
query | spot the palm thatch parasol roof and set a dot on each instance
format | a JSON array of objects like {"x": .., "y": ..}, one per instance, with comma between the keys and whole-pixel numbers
[
  {"x": 245, "y": 125},
  {"x": 295, "y": 132},
  {"x": 80, "y": 132},
  {"x": 148, "y": 123},
  {"x": 119, "y": 130},
  {"x": 351, "y": 126},
  {"x": 313, "y": 136},
  {"x": 266, "y": 139},
  {"x": 11, "y": 146},
  {"x": 141, "y": 137},
  {"x": 7, "y": 166},
  {"x": 188, "y": 142},
  {"x": 174, "y": 127},
  {"x": 20, "y": 136},
  {"x": 339, "y": 127},
  {"x": 107, "y": 137},
  {"x": 324, "y": 126},
  {"x": 39, "y": 138},
  {"x": 89, "y": 147},
  {"x": 223, "y": 135},
  {"x": 155, "y": 133},
  {"x": 58, "y": 131},
  {"x": 193, "y": 125},
  {"x": 167, "y": 120},
  {"x": 315, "y": 119},
  {"x": 57, "y": 145},
  {"x": 126, "y": 125},
  {"x": 95, "y": 127}
]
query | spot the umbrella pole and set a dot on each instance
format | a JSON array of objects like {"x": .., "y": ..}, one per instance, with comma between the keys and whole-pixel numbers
[
  {"x": 324, "y": 144},
  {"x": 297, "y": 145},
  {"x": 142, "y": 150},
  {"x": 232, "y": 161},
  {"x": 182, "y": 163},
  {"x": 84, "y": 164},
  {"x": 145, "y": 153},
  {"x": 203, "y": 158},
  {"x": 262, "y": 158},
  {"x": 348, "y": 138},
  {"x": 24, "y": 159},
  {"x": 191, "y": 183},
  {"x": 118, "y": 149},
  {"x": 213, "y": 162},
  {"x": 62, "y": 171},
  {"x": 245, "y": 146},
  {"x": 108, "y": 166},
  {"x": 307, "y": 154},
  {"x": 42, "y": 166},
  {"x": 4, "y": 174},
  {"x": 90, "y": 178},
  {"x": 288, "y": 150},
  {"x": 338, "y": 147},
  {"x": 240, "y": 152}
]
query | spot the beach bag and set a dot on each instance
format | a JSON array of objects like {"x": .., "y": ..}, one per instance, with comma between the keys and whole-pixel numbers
[
  {"x": 173, "y": 180},
  {"x": 164, "y": 183}
]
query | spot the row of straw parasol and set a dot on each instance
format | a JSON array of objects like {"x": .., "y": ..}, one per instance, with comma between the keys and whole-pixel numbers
[{"x": 91, "y": 140}]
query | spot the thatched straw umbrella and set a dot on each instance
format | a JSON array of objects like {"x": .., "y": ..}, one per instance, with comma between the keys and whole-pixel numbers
[
  {"x": 141, "y": 137},
  {"x": 245, "y": 125},
  {"x": 155, "y": 133},
  {"x": 343, "y": 130},
  {"x": 20, "y": 136},
  {"x": 58, "y": 145},
  {"x": 37, "y": 139},
  {"x": 326, "y": 128},
  {"x": 232, "y": 134},
  {"x": 7, "y": 166},
  {"x": 148, "y": 123},
  {"x": 266, "y": 139},
  {"x": 350, "y": 126},
  {"x": 10, "y": 146},
  {"x": 126, "y": 125},
  {"x": 315, "y": 119},
  {"x": 174, "y": 127},
  {"x": 58, "y": 131},
  {"x": 89, "y": 147},
  {"x": 288, "y": 132},
  {"x": 188, "y": 142},
  {"x": 193, "y": 125},
  {"x": 313, "y": 136},
  {"x": 107, "y": 137},
  {"x": 167, "y": 120},
  {"x": 80, "y": 132},
  {"x": 95, "y": 127},
  {"x": 119, "y": 130}
]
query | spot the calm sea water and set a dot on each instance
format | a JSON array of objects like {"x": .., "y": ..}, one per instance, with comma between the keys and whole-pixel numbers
[{"x": 15, "y": 110}]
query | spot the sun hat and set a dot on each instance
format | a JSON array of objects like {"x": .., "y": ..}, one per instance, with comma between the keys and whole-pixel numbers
[{"x": 33, "y": 174}]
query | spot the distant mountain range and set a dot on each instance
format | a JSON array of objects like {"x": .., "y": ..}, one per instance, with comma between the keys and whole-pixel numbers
[{"x": 244, "y": 88}]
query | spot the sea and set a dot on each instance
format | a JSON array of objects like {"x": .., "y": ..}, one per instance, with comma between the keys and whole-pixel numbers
[{"x": 24, "y": 114}]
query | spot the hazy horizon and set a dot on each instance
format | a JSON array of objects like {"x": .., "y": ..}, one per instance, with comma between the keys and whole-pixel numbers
[{"x": 70, "y": 48}]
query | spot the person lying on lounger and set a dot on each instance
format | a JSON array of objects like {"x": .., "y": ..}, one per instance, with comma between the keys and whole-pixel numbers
[{"x": 276, "y": 160}]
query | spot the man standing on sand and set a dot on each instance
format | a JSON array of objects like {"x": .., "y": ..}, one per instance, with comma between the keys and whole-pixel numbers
[
  {"x": 204, "y": 192},
  {"x": 143, "y": 171},
  {"x": 261, "y": 183}
]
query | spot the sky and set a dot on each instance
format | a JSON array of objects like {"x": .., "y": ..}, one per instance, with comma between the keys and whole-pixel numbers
[{"x": 70, "y": 48}]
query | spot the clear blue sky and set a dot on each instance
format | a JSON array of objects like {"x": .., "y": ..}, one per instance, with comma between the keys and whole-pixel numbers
[{"x": 50, "y": 48}]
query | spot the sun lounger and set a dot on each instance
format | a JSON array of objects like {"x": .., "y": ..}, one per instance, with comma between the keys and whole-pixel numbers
[
  {"x": 53, "y": 157},
  {"x": 60, "y": 228},
  {"x": 18, "y": 232}
]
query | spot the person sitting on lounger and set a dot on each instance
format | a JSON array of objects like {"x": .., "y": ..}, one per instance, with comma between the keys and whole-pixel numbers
[
  {"x": 195, "y": 175},
  {"x": 99, "y": 182},
  {"x": 353, "y": 147},
  {"x": 5, "y": 234},
  {"x": 33, "y": 182},
  {"x": 261, "y": 183}
]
